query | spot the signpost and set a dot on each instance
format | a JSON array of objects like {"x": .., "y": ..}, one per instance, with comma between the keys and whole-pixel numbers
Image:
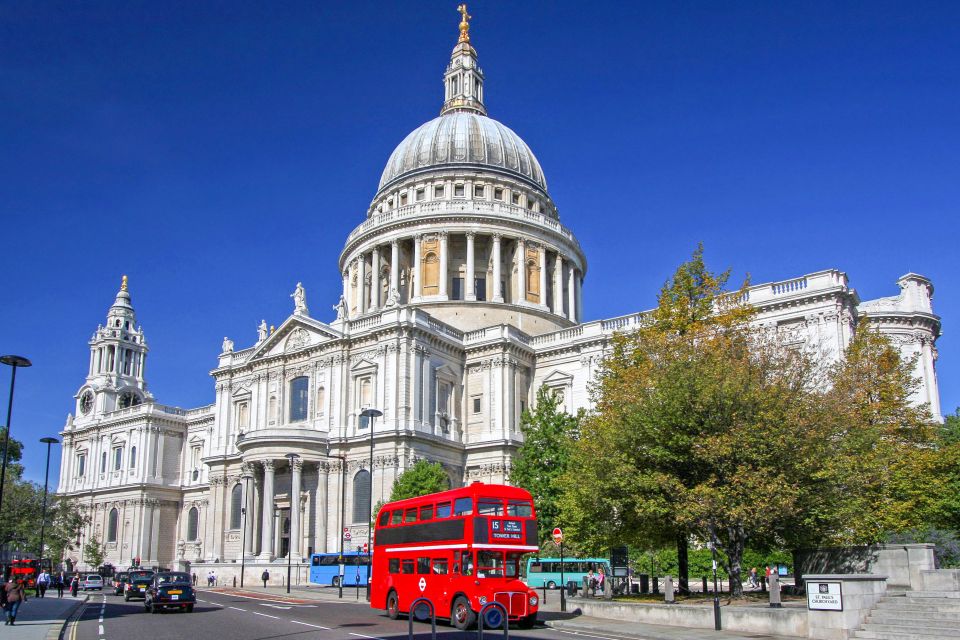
[
  {"x": 824, "y": 596},
  {"x": 558, "y": 540}
]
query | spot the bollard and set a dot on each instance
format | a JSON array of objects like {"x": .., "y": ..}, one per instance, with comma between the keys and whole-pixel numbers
[
  {"x": 655, "y": 584},
  {"x": 704, "y": 584},
  {"x": 414, "y": 614},
  {"x": 544, "y": 598},
  {"x": 775, "y": 591},
  {"x": 644, "y": 583},
  {"x": 668, "y": 590},
  {"x": 234, "y": 582},
  {"x": 505, "y": 623},
  {"x": 763, "y": 584}
]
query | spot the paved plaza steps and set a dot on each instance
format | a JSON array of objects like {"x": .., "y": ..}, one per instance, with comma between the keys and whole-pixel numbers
[{"x": 914, "y": 615}]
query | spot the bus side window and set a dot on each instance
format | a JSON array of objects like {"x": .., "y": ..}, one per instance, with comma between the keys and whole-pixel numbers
[
  {"x": 440, "y": 566},
  {"x": 384, "y": 518},
  {"x": 394, "y": 565},
  {"x": 423, "y": 565},
  {"x": 396, "y": 517},
  {"x": 426, "y": 513},
  {"x": 463, "y": 507},
  {"x": 535, "y": 567},
  {"x": 443, "y": 510},
  {"x": 407, "y": 566},
  {"x": 489, "y": 507},
  {"x": 519, "y": 509},
  {"x": 467, "y": 563},
  {"x": 410, "y": 515},
  {"x": 315, "y": 561}
]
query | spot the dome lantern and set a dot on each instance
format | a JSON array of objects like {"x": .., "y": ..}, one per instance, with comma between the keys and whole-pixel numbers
[{"x": 463, "y": 79}]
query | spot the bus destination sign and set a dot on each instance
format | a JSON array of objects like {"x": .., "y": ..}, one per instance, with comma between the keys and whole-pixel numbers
[{"x": 506, "y": 529}]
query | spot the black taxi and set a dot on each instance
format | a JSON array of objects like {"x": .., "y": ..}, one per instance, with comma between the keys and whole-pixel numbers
[
  {"x": 170, "y": 590},
  {"x": 137, "y": 583}
]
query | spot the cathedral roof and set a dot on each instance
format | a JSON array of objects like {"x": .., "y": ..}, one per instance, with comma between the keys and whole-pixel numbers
[{"x": 465, "y": 139}]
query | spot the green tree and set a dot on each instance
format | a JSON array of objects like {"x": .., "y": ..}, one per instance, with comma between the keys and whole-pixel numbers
[
  {"x": 699, "y": 429},
  {"x": 94, "y": 553},
  {"x": 419, "y": 480},
  {"x": 548, "y": 434},
  {"x": 950, "y": 432},
  {"x": 65, "y": 520}
]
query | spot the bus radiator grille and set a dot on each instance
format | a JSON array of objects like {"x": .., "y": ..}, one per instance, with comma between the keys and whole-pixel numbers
[{"x": 514, "y": 601}]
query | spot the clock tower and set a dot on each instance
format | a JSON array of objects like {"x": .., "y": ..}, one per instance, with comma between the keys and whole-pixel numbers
[{"x": 118, "y": 354}]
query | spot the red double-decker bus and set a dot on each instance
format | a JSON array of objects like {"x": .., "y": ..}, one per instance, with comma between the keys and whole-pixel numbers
[
  {"x": 461, "y": 549},
  {"x": 25, "y": 569}
]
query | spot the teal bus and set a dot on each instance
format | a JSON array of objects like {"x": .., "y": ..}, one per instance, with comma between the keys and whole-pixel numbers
[{"x": 546, "y": 571}]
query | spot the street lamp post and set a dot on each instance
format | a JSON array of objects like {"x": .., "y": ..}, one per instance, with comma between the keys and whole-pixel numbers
[
  {"x": 292, "y": 457},
  {"x": 46, "y": 481},
  {"x": 370, "y": 414},
  {"x": 12, "y": 361},
  {"x": 716, "y": 594}
]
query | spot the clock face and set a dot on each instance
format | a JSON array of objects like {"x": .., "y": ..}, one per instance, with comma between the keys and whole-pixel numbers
[
  {"x": 128, "y": 399},
  {"x": 86, "y": 402}
]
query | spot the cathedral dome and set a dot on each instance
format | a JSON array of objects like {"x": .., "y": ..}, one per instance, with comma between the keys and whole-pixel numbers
[{"x": 463, "y": 139}]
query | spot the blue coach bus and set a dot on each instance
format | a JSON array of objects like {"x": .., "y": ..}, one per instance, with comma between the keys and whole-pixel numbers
[
  {"x": 325, "y": 568},
  {"x": 546, "y": 571}
]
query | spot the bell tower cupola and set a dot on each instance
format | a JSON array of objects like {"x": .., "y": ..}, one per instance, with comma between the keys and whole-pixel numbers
[
  {"x": 463, "y": 79},
  {"x": 118, "y": 356}
]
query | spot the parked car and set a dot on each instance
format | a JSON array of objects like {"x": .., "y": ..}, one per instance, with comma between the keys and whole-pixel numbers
[
  {"x": 119, "y": 579},
  {"x": 92, "y": 581},
  {"x": 171, "y": 590},
  {"x": 137, "y": 584}
]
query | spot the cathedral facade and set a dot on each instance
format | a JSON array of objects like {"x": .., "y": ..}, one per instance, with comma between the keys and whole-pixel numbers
[{"x": 462, "y": 295}]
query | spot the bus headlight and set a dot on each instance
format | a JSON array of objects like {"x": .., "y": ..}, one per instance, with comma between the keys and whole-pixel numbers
[
  {"x": 533, "y": 601},
  {"x": 482, "y": 600}
]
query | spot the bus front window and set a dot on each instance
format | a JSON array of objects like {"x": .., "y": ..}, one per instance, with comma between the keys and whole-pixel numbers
[
  {"x": 489, "y": 564},
  {"x": 513, "y": 564}
]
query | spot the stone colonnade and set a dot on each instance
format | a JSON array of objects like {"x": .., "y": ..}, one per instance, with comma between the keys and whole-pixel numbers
[{"x": 368, "y": 287}]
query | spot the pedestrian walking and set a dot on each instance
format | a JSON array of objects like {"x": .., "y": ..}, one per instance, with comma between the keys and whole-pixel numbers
[
  {"x": 43, "y": 582},
  {"x": 194, "y": 579},
  {"x": 265, "y": 576},
  {"x": 58, "y": 581},
  {"x": 754, "y": 582},
  {"x": 74, "y": 585},
  {"x": 16, "y": 596}
]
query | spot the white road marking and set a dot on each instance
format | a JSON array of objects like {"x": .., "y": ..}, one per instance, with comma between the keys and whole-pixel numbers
[
  {"x": 265, "y": 615},
  {"x": 307, "y": 624},
  {"x": 360, "y": 635},
  {"x": 101, "y": 629},
  {"x": 237, "y": 608},
  {"x": 587, "y": 635},
  {"x": 274, "y": 606},
  {"x": 237, "y": 595}
]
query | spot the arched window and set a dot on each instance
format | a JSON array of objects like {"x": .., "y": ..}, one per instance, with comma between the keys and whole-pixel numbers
[
  {"x": 272, "y": 409},
  {"x": 193, "y": 524},
  {"x": 321, "y": 400},
  {"x": 133, "y": 457},
  {"x": 299, "y": 392},
  {"x": 236, "y": 504},
  {"x": 361, "y": 496},
  {"x": 431, "y": 274},
  {"x": 112, "y": 522}
]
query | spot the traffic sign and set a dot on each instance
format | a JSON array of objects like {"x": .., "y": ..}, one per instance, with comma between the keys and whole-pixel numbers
[
  {"x": 557, "y": 535},
  {"x": 346, "y": 535}
]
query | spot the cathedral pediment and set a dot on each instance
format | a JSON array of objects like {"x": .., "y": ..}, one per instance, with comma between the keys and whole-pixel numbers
[{"x": 296, "y": 334}]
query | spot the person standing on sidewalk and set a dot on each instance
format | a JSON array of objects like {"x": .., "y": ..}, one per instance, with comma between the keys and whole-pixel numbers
[
  {"x": 265, "y": 576},
  {"x": 43, "y": 582},
  {"x": 16, "y": 595}
]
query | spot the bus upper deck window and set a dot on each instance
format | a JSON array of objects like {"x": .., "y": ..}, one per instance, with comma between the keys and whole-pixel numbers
[
  {"x": 463, "y": 507},
  {"x": 315, "y": 561},
  {"x": 396, "y": 517},
  {"x": 426, "y": 513},
  {"x": 384, "y": 518},
  {"x": 489, "y": 507},
  {"x": 519, "y": 509},
  {"x": 410, "y": 515},
  {"x": 443, "y": 510}
]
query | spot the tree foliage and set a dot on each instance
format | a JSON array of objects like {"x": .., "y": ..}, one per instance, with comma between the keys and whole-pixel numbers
[
  {"x": 419, "y": 480},
  {"x": 94, "y": 552},
  {"x": 548, "y": 434}
]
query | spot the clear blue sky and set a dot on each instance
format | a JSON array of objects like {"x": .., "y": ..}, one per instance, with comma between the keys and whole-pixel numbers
[{"x": 218, "y": 152}]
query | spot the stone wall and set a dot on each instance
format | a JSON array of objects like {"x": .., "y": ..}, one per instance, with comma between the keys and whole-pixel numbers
[{"x": 901, "y": 563}]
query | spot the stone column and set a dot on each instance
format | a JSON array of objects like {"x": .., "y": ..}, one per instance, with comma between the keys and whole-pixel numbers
[
  {"x": 346, "y": 292},
  {"x": 417, "y": 277},
  {"x": 558, "y": 285},
  {"x": 470, "y": 290},
  {"x": 296, "y": 468},
  {"x": 444, "y": 262},
  {"x": 395, "y": 269},
  {"x": 520, "y": 264},
  {"x": 375, "y": 279},
  {"x": 267, "y": 520},
  {"x": 579, "y": 297},
  {"x": 362, "y": 283},
  {"x": 247, "y": 480},
  {"x": 322, "y": 508},
  {"x": 497, "y": 292},
  {"x": 571, "y": 293},
  {"x": 543, "y": 275}
]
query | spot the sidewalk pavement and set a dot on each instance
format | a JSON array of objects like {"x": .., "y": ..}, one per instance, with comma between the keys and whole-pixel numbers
[
  {"x": 42, "y": 618},
  {"x": 571, "y": 622}
]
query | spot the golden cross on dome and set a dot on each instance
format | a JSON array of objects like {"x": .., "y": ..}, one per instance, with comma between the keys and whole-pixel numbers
[
  {"x": 123, "y": 283},
  {"x": 464, "y": 25}
]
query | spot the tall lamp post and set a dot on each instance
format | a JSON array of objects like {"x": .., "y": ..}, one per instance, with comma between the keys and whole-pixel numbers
[
  {"x": 343, "y": 509},
  {"x": 370, "y": 414},
  {"x": 46, "y": 481},
  {"x": 292, "y": 457},
  {"x": 11, "y": 361}
]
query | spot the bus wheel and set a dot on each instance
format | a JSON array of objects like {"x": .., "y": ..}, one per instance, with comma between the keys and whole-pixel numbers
[
  {"x": 551, "y": 585},
  {"x": 462, "y": 616},
  {"x": 336, "y": 581},
  {"x": 393, "y": 606}
]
